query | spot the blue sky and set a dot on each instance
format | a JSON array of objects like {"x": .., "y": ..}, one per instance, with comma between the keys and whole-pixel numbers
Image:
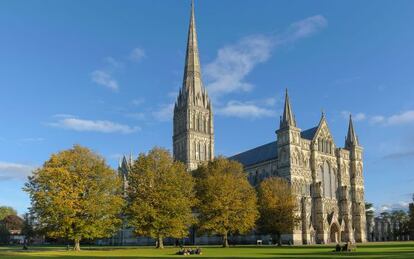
[{"x": 104, "y": 74}]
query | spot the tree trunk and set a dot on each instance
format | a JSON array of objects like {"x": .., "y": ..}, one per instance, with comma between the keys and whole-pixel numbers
[
  {"x": 77, "y": 245},
  {"x": 160, "y": 242},
  {"x": 279, "y": 239},
  {"x": 225, "y": 240}
]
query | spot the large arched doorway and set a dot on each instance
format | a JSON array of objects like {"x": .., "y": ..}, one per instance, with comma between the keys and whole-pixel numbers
[{"x": 335, "y": 233}]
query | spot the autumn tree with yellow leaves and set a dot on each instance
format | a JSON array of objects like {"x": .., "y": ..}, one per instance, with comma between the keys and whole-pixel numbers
[
  {"x": 160, "y": 197},
  {"x": 227, "y": 201},
  {"x": 277, "y": 207},
  {"x": 75, "y": 195}
]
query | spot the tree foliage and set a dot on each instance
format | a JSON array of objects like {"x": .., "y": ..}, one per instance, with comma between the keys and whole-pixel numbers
[
  {"x": 228, "y": 203},
  {"x": 160, "y": 196},
  {"x": 76, "y": 195},
  {"x": 13, "y": 222},
  {"x": 6, "y": 211},
  {"x": 400, "y": 221},
  {"x": 277, "y": 205},
  {"x": 411, "y": 220}
]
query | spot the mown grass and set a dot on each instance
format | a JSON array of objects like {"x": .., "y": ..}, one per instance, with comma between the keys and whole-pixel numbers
[{"x": 369, "y": 250}]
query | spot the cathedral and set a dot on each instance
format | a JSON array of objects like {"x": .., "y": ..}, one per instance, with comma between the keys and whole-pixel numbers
[{"x": 327, "y": 180}]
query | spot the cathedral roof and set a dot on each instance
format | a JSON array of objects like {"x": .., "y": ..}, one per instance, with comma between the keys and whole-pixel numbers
[
  {"x": 257, "y": 155},
  {"x": 309, "y": 133}
]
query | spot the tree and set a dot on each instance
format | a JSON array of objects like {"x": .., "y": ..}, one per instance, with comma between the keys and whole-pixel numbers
[
  {"x": 5, "y": 211},
  {"x": 160, "y": 197},
  {"x": 228, "y": 203},
  {"x": 76, "y": 195},
  {"x": 411, "y": 220},
  {"x": 369, "y": 215},
  {"x": 13, "y": 222},
  {"x": 277, "y": 207},
  {"x": 399, "y": 221},
  {"x": 10, "y": 225},
  {"x": 28, "y": 227}
]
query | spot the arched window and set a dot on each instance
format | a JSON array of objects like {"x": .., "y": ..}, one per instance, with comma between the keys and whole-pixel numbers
[
  {"x": 327, "y": 180},
  {"x": 208, "y": 151},
  {"x": 195, "y": 150},
  {"x": 194, "y": 121},
  {"x": 202, "y": 151}
]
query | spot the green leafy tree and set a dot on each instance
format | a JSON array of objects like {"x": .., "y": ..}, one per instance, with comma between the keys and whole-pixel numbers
[
  {"x": 399, "y": 220},
  {"x": 277, "y": 207},
  {"x": 75, "y": 195},
  {"x": 6, "y": 211},
  {"x": 160, "y": 197},
  {"x": 411, "y": 220},
  {"x": 228, "y": 203}
]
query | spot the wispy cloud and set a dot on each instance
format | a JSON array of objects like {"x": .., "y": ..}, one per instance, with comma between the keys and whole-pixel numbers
[
  {"x": 403, "y": 118},
  {"x": 113, "y": 62},
  {"x": 137, "y": 54},
  {"x": 164, "y": 112},
  {"x": 103, "y": 126},
  {"x": 245, "y": 110},
  {"x": 401, "y": 205},
  {"x": 103, "y": 78},
  {"x": 228, "y": 71},
  {"x": 14, "y": 171},
  {"x": 400, "y": 155},
  {"x": 356, "y": 117}
]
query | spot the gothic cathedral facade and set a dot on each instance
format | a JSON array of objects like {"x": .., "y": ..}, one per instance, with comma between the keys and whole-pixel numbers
[{"x": 327, "y": 180}]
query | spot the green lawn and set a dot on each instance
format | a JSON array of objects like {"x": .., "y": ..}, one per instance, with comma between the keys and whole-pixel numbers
[{"x": 369, "y": 250}]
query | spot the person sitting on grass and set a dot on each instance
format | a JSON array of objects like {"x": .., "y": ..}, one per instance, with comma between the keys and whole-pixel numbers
[
  {"x": 198, "y": 251},
  {"x": 337, "y": 247}
]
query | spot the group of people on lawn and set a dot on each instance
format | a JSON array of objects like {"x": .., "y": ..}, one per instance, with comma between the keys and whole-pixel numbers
[{"x": 189, "y": 251}]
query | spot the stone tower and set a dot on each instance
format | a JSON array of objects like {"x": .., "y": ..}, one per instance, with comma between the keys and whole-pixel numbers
[
  {"x": 357, "y": 184},
  {"x": 193, "y": 133},
  {"x": 289, "y": 148}
]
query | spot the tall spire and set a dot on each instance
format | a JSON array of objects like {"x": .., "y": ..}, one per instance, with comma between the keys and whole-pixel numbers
[
  {"x": 192, "y": 72},
  {"x": 351, "y": 139},
  {"x": 288, "y": 118}
]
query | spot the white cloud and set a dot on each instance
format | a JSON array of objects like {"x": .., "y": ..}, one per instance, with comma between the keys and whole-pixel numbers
[
  {"x": 403, "y": 118},
  {"x": 356, "y": 117},
  {"x": 303, "y": 28},
  {"x": 377, "y": 119},
  {"x": 359, "y": 117},
  {"x": 233, "y": 63},
  {"x": 102, "y": 126},
  {"x": 244, "y": 110},
  {"x": 113, "y": 62},
  {"x": 9, "y": 171},
  {"x": 137, "y": 54},
  {"x": 101, "y": 77},
  {"x": 164, "y": 113},
  {"x": 401, "y": 205}
]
